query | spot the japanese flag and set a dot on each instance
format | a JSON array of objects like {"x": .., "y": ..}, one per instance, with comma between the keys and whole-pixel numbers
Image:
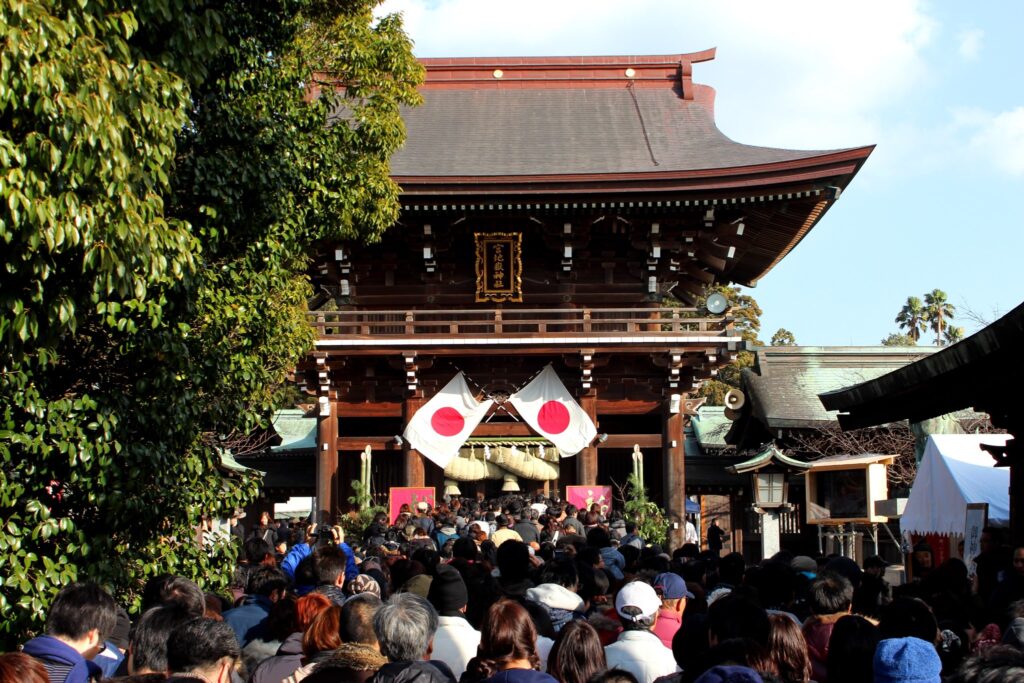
[
  {"x": 549, "y": 408},
  {"x": 442, "y": 424}
]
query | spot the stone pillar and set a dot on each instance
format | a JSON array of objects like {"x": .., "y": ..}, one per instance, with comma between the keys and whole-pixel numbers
[
  {"x": 673, "y": 465},
  {"x": 415, "y": 474},
  {"x": 586, "y": 460},
  {"x": 770, "y": 533},
  {"x": 327, "y": 463}
]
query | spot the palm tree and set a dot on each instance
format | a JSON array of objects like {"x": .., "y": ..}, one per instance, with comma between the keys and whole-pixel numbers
[
  {"x": 953, "y": 334},
  {"x": 913, "y": 317},
  {"x": 938, "y": 312}
]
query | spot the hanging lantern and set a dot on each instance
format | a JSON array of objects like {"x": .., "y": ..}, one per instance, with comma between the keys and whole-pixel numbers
[{"x": 511, "y": 483}]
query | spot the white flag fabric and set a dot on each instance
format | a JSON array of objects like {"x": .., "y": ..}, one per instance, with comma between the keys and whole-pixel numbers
[
  {"x": 442, "y": 424},
  {"x": 549, "y": 408}
]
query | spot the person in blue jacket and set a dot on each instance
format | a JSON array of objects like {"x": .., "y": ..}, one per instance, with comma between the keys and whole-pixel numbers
[
  {"x": 334, "y": 537},
  {"x": 82, "y": 616}
]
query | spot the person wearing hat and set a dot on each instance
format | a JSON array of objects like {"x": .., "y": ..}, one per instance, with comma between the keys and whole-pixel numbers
[
  {"x": 674, "y": 595},
  {"x": 906, "y": 660},
  {"x": 456, "y": 641},
  {"x": 637, "y": 650}
]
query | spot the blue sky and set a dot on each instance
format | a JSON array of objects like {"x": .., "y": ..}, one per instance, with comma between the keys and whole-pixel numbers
[{"x": 937, "y": 86}]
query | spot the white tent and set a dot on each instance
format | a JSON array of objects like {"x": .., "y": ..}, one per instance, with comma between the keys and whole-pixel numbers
[{"x": 956, "y": 471}]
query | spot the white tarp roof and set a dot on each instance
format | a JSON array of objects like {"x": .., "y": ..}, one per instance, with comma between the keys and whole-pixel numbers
[{"x": 955, "y": 471}]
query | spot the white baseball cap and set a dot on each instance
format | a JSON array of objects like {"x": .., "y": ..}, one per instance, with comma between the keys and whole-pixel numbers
[{"x": 635, "y": 596}]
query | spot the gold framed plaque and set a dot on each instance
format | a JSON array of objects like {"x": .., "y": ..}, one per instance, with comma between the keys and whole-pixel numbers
[{"x": 499, "y": 266}]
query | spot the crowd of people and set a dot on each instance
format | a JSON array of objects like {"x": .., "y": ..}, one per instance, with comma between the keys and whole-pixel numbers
[{"x": 536, "y": 591}]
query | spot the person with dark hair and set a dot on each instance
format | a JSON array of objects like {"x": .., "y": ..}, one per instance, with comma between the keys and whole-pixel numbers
[
  {"x": 376, "y": 533},
  {"x": 739, "y": 655},
  {"x": 637, "y": 649},
  {"x": 168, "y": 589},
  {"x": 997, "y": 664},
  {"x": 266, "y": 586},
  {"x": 265, "y": 530},
  {"x": 730, "y": 574},
  {"x": 338, "y": 559},
  {"x": 716, "y": 536},
  {"x": 508, "y": 649},
  {"x": 737, "y": 616},
  {"x": 79, "y": 621},
  {"x": 357, "y": 659},
  {"x": 147, "y": 646},
  {"x": 18, "y": 667},
  {"x": 612, "y": 676},
  {"x": 614, "y": 563},
  {"x": 513, "y": 560},
  {"x": 202, "y": 649},
  {"x": 571, "y": 521},
  {"x": 830, "y": 599},
  {"x": 908, "y": 617},
  {"x": 850, "y": 650},
  {"x": 456, "y": 641},
  {"x": 279, "y": 632},
  {"x": 787, "y": 650},
  {"x": 405, "y": 627},
  {"x": 557, "y": 593},
  {"x": 577, "y": 654}
]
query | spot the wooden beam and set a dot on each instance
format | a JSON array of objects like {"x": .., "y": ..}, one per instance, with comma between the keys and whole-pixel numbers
[
  {"x": 365, "y": 409},
  {"x": 628, "y": 440},
  {"x": 627, "y": 407}
]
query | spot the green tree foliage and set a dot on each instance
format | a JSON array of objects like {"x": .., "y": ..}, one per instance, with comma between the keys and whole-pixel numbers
[
  {"x": 651, "y": 523},
  {"x": 913, "y": 318},
  {"x": 164, "y": 174},
  {"x": 783, "y": 337},
  {"x": 897, "y": 339},
  {"x": 940, "y": 312},
  {"x": 934, "y": 313},
  {"x": 746, "y": 314}
]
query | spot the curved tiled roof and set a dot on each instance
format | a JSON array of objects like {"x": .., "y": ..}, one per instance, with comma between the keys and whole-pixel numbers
[
  {"x": 547, "y": 117},
  {"x": 570, "y": 131}
]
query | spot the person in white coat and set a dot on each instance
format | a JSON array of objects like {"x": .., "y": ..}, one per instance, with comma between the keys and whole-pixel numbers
[
  {"x": 637, "y": 649},
  {"x": 455, "y": 641}
]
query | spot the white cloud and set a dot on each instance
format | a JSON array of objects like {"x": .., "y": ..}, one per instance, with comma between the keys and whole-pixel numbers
[
  {"x": 970, "y": 43},
  {"x": 999, "y": 139}
]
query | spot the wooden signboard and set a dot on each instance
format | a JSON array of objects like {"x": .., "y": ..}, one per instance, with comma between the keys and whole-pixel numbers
[
  {"x": 499, "y": 266},
  {"x": 974, "y": 522},
  {"x": 402, "y": 495}
]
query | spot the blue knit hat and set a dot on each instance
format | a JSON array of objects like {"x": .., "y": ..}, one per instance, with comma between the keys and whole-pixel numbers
[{"x": 906, "y": 660}]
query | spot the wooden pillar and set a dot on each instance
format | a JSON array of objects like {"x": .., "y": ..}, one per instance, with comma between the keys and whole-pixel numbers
[
  {"x": 673, "y": 465},
  {"x": 586, "y": 460},
  {"x": 415, "y": 475},
  {"x": 327, "y": 463},
  {"x": 1015, "y": 453}
]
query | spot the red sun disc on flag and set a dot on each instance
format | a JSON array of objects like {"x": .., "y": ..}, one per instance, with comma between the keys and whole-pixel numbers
[
  {"x": 447, "y": 421},
  {"x": 553, "y": 417}
]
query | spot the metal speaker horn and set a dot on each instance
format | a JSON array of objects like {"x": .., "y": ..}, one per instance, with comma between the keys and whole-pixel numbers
[
  {"x": 734, "y": 399},
  {"x": 716, "y": 303}
]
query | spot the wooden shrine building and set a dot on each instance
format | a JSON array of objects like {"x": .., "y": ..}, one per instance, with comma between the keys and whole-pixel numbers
[{"x": 555, "y": 210}]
